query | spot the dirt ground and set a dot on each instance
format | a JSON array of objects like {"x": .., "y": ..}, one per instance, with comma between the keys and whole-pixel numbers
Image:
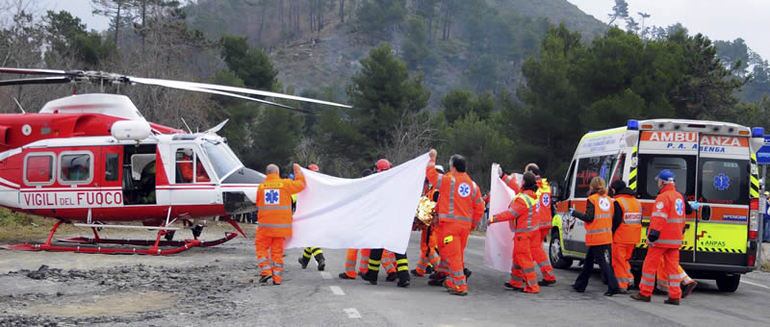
[{"x": 63, "y": 289}]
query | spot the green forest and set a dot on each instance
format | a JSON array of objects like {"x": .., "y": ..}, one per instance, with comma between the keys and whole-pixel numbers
[{"x": 496, "y": 81}]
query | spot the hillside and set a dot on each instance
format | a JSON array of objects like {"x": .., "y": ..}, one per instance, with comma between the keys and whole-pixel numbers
[{"x": 482, "y": 49}]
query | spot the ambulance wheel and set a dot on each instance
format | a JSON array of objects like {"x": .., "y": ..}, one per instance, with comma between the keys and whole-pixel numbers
[
  {"x": 728, "y": 283},
  {"x": 554, "y": 252}
]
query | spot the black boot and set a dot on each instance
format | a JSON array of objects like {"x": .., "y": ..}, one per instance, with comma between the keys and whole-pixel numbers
[
  {"x": 371, "y": 277},
  {"x": 321, "y": 261},
  {"x": 391, "y": 277},
  {"x": 467, "y": 272},
  {"x": 403, "y": 278},
  {"x": 304, "y": 261}
]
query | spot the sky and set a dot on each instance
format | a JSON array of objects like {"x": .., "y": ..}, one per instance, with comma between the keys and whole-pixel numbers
[{"x": 717, "y": 19}]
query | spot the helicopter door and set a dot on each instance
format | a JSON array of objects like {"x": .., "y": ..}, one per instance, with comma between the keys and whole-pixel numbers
[
  {"x": 139, "y": 174},
  {"x": 192, "y": 182}
]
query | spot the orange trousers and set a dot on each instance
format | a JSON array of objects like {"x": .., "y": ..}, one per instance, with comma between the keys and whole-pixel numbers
[
  {"x": 272, "y": 265},
  {"x": 662, "y": 281},
  {"x": 389, "y": 261},
  {"x": 452, "y": 238},
  {"x": 523, "y": 274},
  {"x": 428, "y": 255},
  {"x": 652, "y": 262},
  {"x": 538, "y": 254},
  {"x": 621, "y": 254},
  {"x": 350, "y": 262}
]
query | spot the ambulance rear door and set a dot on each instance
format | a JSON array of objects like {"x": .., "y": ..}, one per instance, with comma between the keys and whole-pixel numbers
[
  {"x": 724, "y": 174},
  {"x": 676, "y": 151}
]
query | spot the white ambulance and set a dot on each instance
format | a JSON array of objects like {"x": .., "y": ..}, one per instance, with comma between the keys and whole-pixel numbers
[{"x": 714, "y": 163}]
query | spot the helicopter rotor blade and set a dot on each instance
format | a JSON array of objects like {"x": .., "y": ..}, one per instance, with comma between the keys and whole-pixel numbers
[
  {"x": 233, "y": 89},
  {"x": 33, "y": 71},
  {"x": 239, "y": 96},
  {"x": 37, "y": 80},
  {"x": 101, "y": 77}
]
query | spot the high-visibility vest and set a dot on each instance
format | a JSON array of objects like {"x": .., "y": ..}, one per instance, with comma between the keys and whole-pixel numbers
[
  {"x": 274, "y": 216},
  {"x": 459, "y": 197},
  {"x": 630, "y": 230},
  {"x": 525, "y": 222},
  {"x": 544, "y": 196},
  {"x": 599, "y": 231},
  {"x": 668, "y": 217}
]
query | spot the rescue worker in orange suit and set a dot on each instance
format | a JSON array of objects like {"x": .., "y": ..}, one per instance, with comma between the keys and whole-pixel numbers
[
  {"x": 185, "y": 167},
  {"x": 664, "y": 238},
  {"x": 544, "y": 218},
  {"x": 626, "y": 231},
  {"x": 429, "y": 258},
  {"x": 522, "y": 217},
  {"x": 377, "y": 257},
  {"x": 459, "y": 209},
  {"x": 313, "y": 252},
  {"x": 274, "y": 220},
  {"x": 598, "y": 225}
]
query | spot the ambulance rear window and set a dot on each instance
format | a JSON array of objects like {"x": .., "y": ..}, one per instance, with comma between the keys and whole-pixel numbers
[
  {"x": 682, "y": 166},
  {"x": 724, "y": 181}
]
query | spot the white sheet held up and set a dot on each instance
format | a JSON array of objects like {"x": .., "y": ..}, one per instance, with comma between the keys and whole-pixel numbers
[
  {"x": 498, "y": 245},
  {"x": 365, "y": 213}
]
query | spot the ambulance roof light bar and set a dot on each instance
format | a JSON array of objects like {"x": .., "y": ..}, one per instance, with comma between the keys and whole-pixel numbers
[
  {"x": 757, "y": 132},
  {"x": 633, "y": 125}
]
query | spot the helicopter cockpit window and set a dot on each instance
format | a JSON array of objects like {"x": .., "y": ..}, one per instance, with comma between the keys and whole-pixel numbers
[
  {"x": 75, "y": 168},
  {"x": 222, "y": 158},
  {"x": 188, "y": 168}
]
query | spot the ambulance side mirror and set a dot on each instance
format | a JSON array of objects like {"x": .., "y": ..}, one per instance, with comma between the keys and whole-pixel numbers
[{"x": 556, "y": 192}]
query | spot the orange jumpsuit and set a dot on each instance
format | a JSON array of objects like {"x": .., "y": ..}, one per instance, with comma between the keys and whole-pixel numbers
[
  {"x": 350, "y": 262},
  {"x": 543, "y": 218},
  {"x": 668, "y": 219},
  {"x": 274, "y": 217},
  {"x": 428, "y": 244},
  {"x": 522, "y": 217},
  {"x": 626, "y": 237},
  {"x": 459, "y": 208}
]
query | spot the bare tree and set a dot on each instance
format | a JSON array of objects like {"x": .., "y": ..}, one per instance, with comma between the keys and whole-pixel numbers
[{"x": 412, "y": 136}]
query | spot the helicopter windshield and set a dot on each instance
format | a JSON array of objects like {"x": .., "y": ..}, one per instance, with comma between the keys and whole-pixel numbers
[{"x": 222, "y": 158}]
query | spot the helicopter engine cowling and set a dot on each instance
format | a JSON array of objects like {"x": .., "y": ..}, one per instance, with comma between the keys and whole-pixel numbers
[{"x": 135, "y": 130}]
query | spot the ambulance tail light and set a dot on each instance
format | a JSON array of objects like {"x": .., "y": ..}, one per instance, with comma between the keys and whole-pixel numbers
[
  {"x": 757, "y": 132},
  {"x": 752, "y": 260},
  {"x": 753, "y": 219}
]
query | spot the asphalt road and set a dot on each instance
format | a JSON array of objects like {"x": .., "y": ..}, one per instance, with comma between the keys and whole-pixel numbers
[{"x": 217, "y": 286}]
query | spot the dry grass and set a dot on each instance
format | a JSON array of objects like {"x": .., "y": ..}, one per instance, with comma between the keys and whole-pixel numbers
[{"x": 17, "y": 227}]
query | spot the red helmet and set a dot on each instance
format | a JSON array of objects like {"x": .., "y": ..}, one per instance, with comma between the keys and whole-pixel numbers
[
  {"x": 313, "y": 167},
  {"x": 383, "y": 164}
]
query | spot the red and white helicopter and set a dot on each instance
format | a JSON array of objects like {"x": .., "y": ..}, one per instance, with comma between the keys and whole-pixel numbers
[{"x": 93, "y": 159}]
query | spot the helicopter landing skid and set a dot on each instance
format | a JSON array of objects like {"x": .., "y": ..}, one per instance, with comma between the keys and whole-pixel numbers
[{"x": 154, "y": 246}]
